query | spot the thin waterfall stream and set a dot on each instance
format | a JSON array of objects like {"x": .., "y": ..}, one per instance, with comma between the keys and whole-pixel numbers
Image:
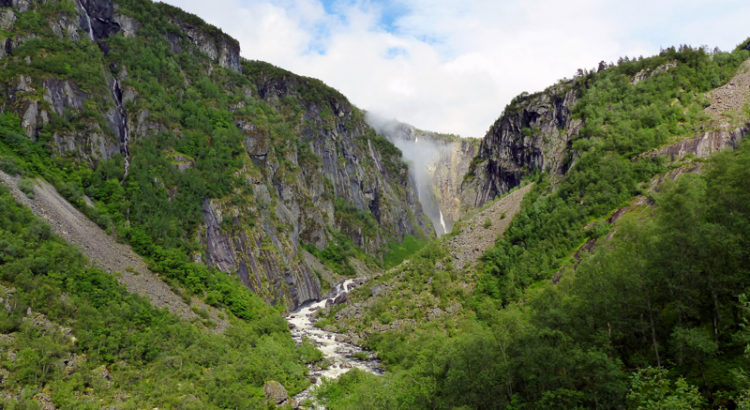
[
  {"x": 88, "y": 21},
  {"x": 341, "y": 355}
]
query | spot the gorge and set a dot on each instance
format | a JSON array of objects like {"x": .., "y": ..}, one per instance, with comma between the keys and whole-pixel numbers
[{"x": 182, "y": 227}]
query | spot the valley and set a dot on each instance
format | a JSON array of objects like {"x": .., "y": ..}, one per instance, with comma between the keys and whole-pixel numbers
[{"x": 182, "y": 227}]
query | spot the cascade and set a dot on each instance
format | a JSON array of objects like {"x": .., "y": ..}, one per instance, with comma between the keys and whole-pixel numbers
[
  {"x": 122, "y": 124},
  {"x": 442, "y": 223},
  {"x": 341, "y": 355},
  {"x": 88, "y": 20}
]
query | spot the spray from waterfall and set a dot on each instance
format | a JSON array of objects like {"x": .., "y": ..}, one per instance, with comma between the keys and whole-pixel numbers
[{"x": 422, "y": 156}]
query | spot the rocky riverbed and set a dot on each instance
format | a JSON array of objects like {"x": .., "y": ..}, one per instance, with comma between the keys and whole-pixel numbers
[{"x": 340, "y": 355}]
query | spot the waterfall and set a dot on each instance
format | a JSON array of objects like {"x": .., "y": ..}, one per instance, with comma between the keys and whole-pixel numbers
[
  {"x": 88, "y": 20},
  {"x": 423, "y": 157},
  {"x": 122, "y": 119}
]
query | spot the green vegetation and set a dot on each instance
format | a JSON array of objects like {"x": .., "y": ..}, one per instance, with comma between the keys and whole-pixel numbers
[
  {"x": 71, "y": 332},
  {"x": 397, "y": 253},
  {"x": 336, "y": 255},
  {"x": 186, "y": 143},
  {"x": 487, "y": 223},
  {"x": 186, "y": 146},
  {"x": 656, "y": 317},
  {"x": 621, "y": 122},
  {"x": 27, "y": 187}
]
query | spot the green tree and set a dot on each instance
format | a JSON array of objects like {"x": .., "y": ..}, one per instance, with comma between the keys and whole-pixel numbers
[{"x": 651, "y": 389}]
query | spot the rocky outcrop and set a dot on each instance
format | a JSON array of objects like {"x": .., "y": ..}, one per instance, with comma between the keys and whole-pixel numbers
[
  {"x": 219, "y": 47},
  {"x": 276, "y": 394},
  {"x": 59, "y": 99},
  {"x": 703, "y": 144},
  {"x": 265, "y": 261},
  {"x": 97, "y": 18},
  {"x": 20, "y": 5},
  {"x": 647, "y": 73},
  {"x": 533, "y": 134}
]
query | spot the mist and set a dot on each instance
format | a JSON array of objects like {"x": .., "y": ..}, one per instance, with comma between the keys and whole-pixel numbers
[{"x": 421, "y": 152}]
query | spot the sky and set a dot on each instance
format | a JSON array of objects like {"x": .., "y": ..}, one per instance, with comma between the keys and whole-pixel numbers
[{"x": 452, "y": 66}]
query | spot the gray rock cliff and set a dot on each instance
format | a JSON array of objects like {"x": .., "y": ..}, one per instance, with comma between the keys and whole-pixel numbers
[
  {"x": 532, "y": 135},
  {"x": 311, "y": 171}
]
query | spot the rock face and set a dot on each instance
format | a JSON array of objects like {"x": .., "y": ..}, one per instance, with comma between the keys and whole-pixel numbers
[
  {"x": 532, "y": 135},
  {"x": 449, "y": 172},
  {"x": 646, "y": 73},
  {"x": 341, "y": 179},
  {"x": 437, "y": 166},
  {"x": 219, "y": 47},
  {"x": 98, "y": 18},
  {"x": 306, "y": 168},
  {"x": 704, "y": 144}
]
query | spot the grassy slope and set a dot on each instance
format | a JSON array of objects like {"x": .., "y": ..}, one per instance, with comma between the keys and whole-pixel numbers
[{"x": 70, "y": 333}]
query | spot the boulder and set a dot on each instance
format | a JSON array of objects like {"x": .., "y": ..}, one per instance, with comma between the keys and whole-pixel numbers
[
  {"x": 340, "y": 299},
  {"x": 275, "y": 393}
]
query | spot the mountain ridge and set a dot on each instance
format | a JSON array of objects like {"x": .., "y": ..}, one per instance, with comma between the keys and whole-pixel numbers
[{"x": 248, "y": 112}]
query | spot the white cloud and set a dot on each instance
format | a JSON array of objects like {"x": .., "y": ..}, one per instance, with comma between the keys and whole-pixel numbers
[{"x": 452, "y": 66}]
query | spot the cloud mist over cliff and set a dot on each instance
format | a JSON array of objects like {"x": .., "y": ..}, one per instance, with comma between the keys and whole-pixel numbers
[{"x": 421, "y": 154}]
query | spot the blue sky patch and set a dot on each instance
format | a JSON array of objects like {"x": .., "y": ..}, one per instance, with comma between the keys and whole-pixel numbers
[
  {"x": 390, "y": 11},
  {"x": 395, "y": 52}
]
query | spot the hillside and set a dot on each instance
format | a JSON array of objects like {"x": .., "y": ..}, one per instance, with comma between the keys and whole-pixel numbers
[
  {"x": 164, "y": 203},
  {"x": 132, "y": 272},
  {"x": 185, "y": 148},
  {"x": 621, "y": 281},
  {"x": 218, "y": 192}
]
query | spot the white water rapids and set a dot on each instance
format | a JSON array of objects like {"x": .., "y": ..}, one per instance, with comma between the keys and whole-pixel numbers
[{"x": 340, "y": 354}]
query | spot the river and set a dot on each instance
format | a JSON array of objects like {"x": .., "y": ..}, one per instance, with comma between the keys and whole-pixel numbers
[{"x": 342, "y": 356}]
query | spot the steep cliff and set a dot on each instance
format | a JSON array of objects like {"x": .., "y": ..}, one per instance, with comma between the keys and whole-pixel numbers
[
  {"x": 532, "y": 135},
  {"x": 437, "y": 165},
  {"x": 448, "y": 173},
  {"x": 185, "y": 147},
  {"x": 325, "y": 172}
]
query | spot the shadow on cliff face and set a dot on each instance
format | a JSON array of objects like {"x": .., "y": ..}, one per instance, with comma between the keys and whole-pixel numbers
[{"x": 422, "y": 153}]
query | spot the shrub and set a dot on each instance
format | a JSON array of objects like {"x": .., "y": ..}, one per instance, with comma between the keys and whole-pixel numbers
[{"x": 27, "y": 187}]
